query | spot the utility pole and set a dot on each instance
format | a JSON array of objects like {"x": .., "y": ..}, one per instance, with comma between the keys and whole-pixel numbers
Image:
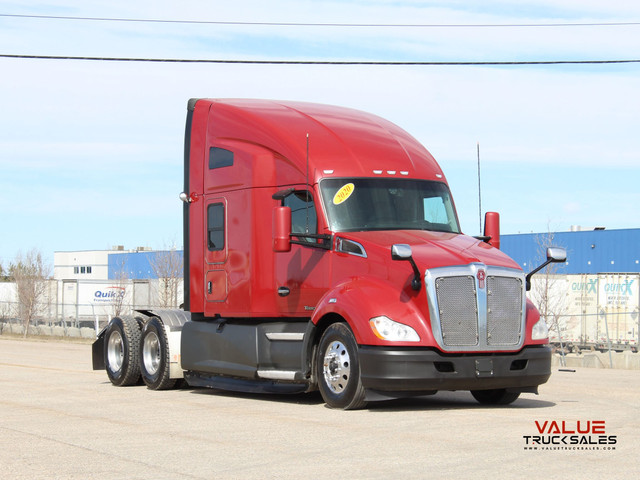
[{"x": 479, "y": 191}]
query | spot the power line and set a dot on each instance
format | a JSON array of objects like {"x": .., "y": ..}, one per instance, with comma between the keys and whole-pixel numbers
[
  {"x": 317, "y": 62},
  {"x": 341, "y": 25}
]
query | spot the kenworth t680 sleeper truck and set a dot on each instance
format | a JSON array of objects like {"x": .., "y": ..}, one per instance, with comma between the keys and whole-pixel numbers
[{"x": 323, "y": 252}]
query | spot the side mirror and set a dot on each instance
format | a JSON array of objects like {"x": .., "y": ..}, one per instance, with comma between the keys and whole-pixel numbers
[
  {"x": 282, "y": 229},
  {"x": 402, "y": 251},
  {"x": 554, "y": 255},
  {"x": 492, "y": 228}
]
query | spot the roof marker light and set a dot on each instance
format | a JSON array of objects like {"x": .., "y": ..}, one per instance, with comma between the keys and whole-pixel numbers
[
  {"x": 327, "y": 172},
  {"x": 404, "y": 172},
  {"x": 439, "y": 175},
  {"x": 377, "y": 172},
  {"x": 391, "y": 172}
]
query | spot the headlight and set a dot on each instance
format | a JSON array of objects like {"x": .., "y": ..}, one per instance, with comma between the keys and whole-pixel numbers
[
  {"x": 386, "y": 329},
  {"x": 540, "y": 331}
]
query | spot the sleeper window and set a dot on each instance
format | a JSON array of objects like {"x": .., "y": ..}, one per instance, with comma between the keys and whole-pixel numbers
[{"x": 215, "y": 227}]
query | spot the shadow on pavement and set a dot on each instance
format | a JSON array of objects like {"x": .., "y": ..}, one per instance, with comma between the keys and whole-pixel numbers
[{"x": 439, "y": 401}]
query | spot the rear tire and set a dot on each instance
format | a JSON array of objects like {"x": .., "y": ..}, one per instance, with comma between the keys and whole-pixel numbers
[
  {"x": 154, "y": 356},
  {"x": 495, "y": 397},
  {"x": 338, "y": 369},
  {"x": 122, "y": 346}
]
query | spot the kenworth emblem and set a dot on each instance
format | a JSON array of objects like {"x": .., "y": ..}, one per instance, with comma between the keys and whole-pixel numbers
[{"x": 481, "y": 277}]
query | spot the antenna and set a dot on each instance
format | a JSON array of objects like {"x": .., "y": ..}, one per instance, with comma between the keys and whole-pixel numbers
[
  {"x": 479, "y": 190},
  {"x": 308, "y": 187}
]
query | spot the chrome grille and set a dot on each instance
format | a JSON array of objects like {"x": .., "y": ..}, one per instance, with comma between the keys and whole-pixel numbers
[
  {"x": 458, "y": 310},
  {"x": 504, "y": 310},
  {"x": 476, "y": 307}
]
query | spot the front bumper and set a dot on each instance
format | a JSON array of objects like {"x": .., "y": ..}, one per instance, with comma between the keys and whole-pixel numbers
[{"x": 419, "y": 370}]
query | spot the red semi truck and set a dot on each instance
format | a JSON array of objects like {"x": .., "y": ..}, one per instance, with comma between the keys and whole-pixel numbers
[{"x": 323, "y": 252}]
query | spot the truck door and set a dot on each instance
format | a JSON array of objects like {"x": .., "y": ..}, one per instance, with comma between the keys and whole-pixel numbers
[
  {"x": 215, "y": 250},
  {"x": 302, "y": 273}
]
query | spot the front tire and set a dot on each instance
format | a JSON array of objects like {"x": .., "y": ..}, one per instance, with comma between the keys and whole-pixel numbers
[
  {"x": 122, "y": 344},
  {"x": 495, "y": 397},
  {"x": 154, "y": 356},
  {"x": 338, "y": 369}
]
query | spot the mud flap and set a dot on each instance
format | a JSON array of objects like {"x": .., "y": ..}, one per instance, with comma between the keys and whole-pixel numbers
[{"x": 97, "y": 352}]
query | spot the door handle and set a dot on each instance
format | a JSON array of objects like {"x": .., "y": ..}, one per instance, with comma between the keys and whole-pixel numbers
[{"x": 209, "y": 288}]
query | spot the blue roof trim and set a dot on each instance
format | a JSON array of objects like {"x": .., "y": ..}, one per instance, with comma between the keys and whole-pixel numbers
[
  {"x": 593, "y": 251},
  {"x": 134, "y": 265}
]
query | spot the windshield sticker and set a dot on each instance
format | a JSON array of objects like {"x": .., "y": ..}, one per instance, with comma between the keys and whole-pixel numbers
[{"x": 344, "y": 193}]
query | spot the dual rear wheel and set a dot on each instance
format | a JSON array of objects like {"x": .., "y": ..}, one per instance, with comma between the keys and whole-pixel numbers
[
  {"x": 122, "y": 347},
  {"x": 133, "y": 352},
  {"x": 154, "y": 356}
]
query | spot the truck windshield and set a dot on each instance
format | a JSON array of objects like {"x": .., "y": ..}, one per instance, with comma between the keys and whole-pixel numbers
[{"x": 358, "y": 204}]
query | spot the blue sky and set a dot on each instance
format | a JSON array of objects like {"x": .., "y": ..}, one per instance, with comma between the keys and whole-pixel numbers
[{"x": 91, "y": 152}]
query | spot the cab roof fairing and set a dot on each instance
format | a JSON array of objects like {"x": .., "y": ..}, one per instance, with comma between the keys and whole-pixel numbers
[{"x": 342, "y": 141}]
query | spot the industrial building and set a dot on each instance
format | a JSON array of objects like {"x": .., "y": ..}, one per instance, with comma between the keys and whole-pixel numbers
[
  {"x": 91, "y": 286},
  {"x": 588, "y": 251},
  {"x": 141, "y": 263}
]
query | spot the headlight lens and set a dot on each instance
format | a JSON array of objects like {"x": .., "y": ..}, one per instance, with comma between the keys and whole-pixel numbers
[
  {"x": 540, "y": 330},
  {"x": 386, "y": 329}
]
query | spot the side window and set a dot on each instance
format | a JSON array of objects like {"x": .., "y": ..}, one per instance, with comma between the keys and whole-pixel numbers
[
  {"x": 215, "y": 227},
  {"x": 434, "y": 210},
  {"x": 303, "y": 213},
  {"x": 219, "y": 157},
  {"x": 439, "y": 214}
]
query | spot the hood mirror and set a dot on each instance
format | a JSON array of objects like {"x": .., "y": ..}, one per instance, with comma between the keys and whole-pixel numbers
[
  {"x": 402, "y": 251},
  {"x": 554, "y": 255}
]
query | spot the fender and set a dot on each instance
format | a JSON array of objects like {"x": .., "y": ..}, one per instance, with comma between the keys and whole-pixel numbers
[
  {"x": 358, "y": 300},
  {"x": 533, "y": 315}
]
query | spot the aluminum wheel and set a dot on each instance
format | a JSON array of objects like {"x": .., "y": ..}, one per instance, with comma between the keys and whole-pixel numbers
[
  {"x": 115, "y": 351},
  {"x": 337, "y": 367},
  {"x": 151, "y": 353},
  {"x": 154, "y": 358},
  {"x": 121, "y": 351}
]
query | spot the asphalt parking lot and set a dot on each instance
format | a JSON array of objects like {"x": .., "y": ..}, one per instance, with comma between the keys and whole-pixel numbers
[{"x": 61, "y": 420}]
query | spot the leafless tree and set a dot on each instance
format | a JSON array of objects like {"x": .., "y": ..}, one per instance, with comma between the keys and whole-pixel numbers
[
  {"x": 548, "y": 292},
  {"x": 6, "y": 312},
  {"x": 6, "y": 305},
  {"x": 167, "y": 265},
  {"x": 30, "y": 273},
  {"x": 4, "y": 276},
  {"x": 121, "y": 278}
]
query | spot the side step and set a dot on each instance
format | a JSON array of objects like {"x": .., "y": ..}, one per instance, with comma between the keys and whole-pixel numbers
[
  {"x": 278, "y": 374},
  {"x": 263, "y": 385}
]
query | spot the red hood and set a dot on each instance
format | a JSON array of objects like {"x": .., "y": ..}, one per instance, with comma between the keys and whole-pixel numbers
[{"x": 435, "y": 249}]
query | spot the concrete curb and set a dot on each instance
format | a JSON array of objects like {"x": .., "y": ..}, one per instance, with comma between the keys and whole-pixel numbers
[{"x": 622, "y": 361}]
